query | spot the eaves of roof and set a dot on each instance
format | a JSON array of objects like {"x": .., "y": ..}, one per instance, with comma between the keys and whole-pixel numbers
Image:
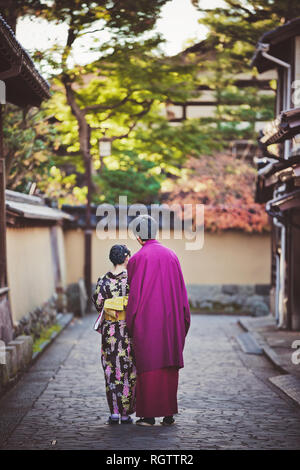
[
  {"x": 274, "y": 38},
  {"x": 24, "y": 84}
]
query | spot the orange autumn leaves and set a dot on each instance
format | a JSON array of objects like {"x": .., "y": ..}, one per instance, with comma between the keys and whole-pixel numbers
[{"x": 226, "y": 187}]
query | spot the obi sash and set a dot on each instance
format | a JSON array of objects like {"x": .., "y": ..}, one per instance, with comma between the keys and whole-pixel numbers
[{"x": 113, "y": 309}]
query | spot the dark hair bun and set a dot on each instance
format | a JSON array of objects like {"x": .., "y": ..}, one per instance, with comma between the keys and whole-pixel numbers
[{"x": 118, "y": 254}]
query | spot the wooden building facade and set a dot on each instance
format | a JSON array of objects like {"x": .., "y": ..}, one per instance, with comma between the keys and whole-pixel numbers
[{"x": 278, "y": 181}]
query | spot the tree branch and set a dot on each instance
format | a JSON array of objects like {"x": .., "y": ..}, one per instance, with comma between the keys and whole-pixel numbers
[
  {"x": 80, "y": 117},
  {"x": 101, "y": 107},
  {"x": 89, "y": 32},
  {"x": 76, "y": 110},
  {"x": 108, "y": 116},
  {"x": 70, "y": 39},
  {"x": 241, "y": 7},
  {"x": 133, "y": 125},
  {"x": 123, "y": 136}
]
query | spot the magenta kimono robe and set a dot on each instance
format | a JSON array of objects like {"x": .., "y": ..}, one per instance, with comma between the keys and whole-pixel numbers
[
  {"x": 158, "y": 313},
  {"x": 158, "y": 319}
]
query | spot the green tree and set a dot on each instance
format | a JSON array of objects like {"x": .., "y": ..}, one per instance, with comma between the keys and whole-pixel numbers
[
  {"x": 124, "y": 20},
  {"x": 234, "y": 30},
  {"x": 27, "y": 139},
  {"x": 121, "y": 16},
  {"x": 236, "y": 27},
  {"x": 122, "y": 96},
  {"x": 131, "y": 177}
]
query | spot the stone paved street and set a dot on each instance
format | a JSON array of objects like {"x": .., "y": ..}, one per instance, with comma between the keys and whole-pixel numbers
[{"x": 225, "y": 399}]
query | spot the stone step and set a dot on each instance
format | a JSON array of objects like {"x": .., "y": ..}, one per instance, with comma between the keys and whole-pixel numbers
[
  {"x": 248, "y": 344},
  {"x": 289, "y": 384}
]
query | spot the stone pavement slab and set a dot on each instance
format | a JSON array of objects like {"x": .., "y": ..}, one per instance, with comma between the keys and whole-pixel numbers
[
  {"x": 289, "y": 384},
  {"x": 280, "y": 346},
  {"x": 276, "y": 342},
  {"x": 60, "y": 403}
]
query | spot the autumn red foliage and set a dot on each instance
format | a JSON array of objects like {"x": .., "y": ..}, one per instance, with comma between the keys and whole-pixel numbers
[{"x": 226, "y": 187}]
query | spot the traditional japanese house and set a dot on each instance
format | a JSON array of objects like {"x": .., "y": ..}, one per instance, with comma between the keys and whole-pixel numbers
[
  {"x": 22, "y": 85},
  {"x": 278, "y": 181}
]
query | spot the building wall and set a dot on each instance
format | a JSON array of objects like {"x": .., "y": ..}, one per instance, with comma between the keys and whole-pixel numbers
[
  {"x": 228, "y": 258},
  {"x": 227, "y": 270},
  {"x": 74, "y": 252},
  {"x": 29, "y": 269}
]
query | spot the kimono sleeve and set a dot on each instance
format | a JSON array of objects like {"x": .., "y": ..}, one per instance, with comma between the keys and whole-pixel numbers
[
  {"x": 98, "y": 299},
  {"x": 99, "y": 295}
]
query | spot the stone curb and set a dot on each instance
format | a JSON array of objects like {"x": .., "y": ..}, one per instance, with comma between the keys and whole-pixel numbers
[
  {"x": 286, "y": 382},
  {"x": 63, "y": 319},
  {"x": 8, "y": 380},
  {"x": 267, "y": 350}
]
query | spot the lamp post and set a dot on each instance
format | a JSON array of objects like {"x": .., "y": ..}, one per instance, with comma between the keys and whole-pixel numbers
[{"x": 104, "y": 149}]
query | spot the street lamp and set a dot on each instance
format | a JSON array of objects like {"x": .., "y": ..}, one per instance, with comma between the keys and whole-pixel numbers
[{"x": 104, "y": 147}]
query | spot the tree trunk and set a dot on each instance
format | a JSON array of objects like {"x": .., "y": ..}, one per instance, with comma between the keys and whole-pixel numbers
[{"x": 84, "y": 140}]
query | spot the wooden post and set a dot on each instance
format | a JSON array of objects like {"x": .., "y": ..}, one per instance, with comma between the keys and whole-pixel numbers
[
  {"x": 6, "y": 326},
  {"x": 3, "y": 279}
]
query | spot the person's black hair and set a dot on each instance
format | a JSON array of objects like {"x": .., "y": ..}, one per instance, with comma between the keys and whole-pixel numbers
[{"x": 118, "y": 254}]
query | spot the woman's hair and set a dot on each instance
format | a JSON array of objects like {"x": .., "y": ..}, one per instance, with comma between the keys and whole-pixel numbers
[{"x": 118, "y": 254}]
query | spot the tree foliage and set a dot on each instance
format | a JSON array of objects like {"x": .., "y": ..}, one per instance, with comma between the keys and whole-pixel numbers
[
  {"x": 131, "y": 177},
  {"x": 236, "y": 27},
  {"x": 122, "y": 97},
  {"x": 233, "y": 32},
  {"x": 113, "y": 94},
  {"x": 226, "y": 186},
  {"x": 126, "y": 79},
  {"x": 27, "y": 143},
  {"x": 122, "y": 17}
]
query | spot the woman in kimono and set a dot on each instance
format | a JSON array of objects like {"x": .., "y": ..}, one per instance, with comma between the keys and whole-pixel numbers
[{"x": 110, "y": 299}]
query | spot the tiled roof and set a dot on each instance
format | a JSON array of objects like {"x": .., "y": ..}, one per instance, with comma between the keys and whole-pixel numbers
[
  {"x": 286, "y": 126},
  {"x": 32, "y": 207},
  {"x": 28, "y": 87}
]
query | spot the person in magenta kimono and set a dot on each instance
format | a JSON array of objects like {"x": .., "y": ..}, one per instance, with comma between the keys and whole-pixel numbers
[{"x": 158, "y": 319}]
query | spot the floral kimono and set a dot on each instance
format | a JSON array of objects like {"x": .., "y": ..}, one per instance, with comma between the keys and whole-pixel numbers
[{"x": 116, "y": 352}]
